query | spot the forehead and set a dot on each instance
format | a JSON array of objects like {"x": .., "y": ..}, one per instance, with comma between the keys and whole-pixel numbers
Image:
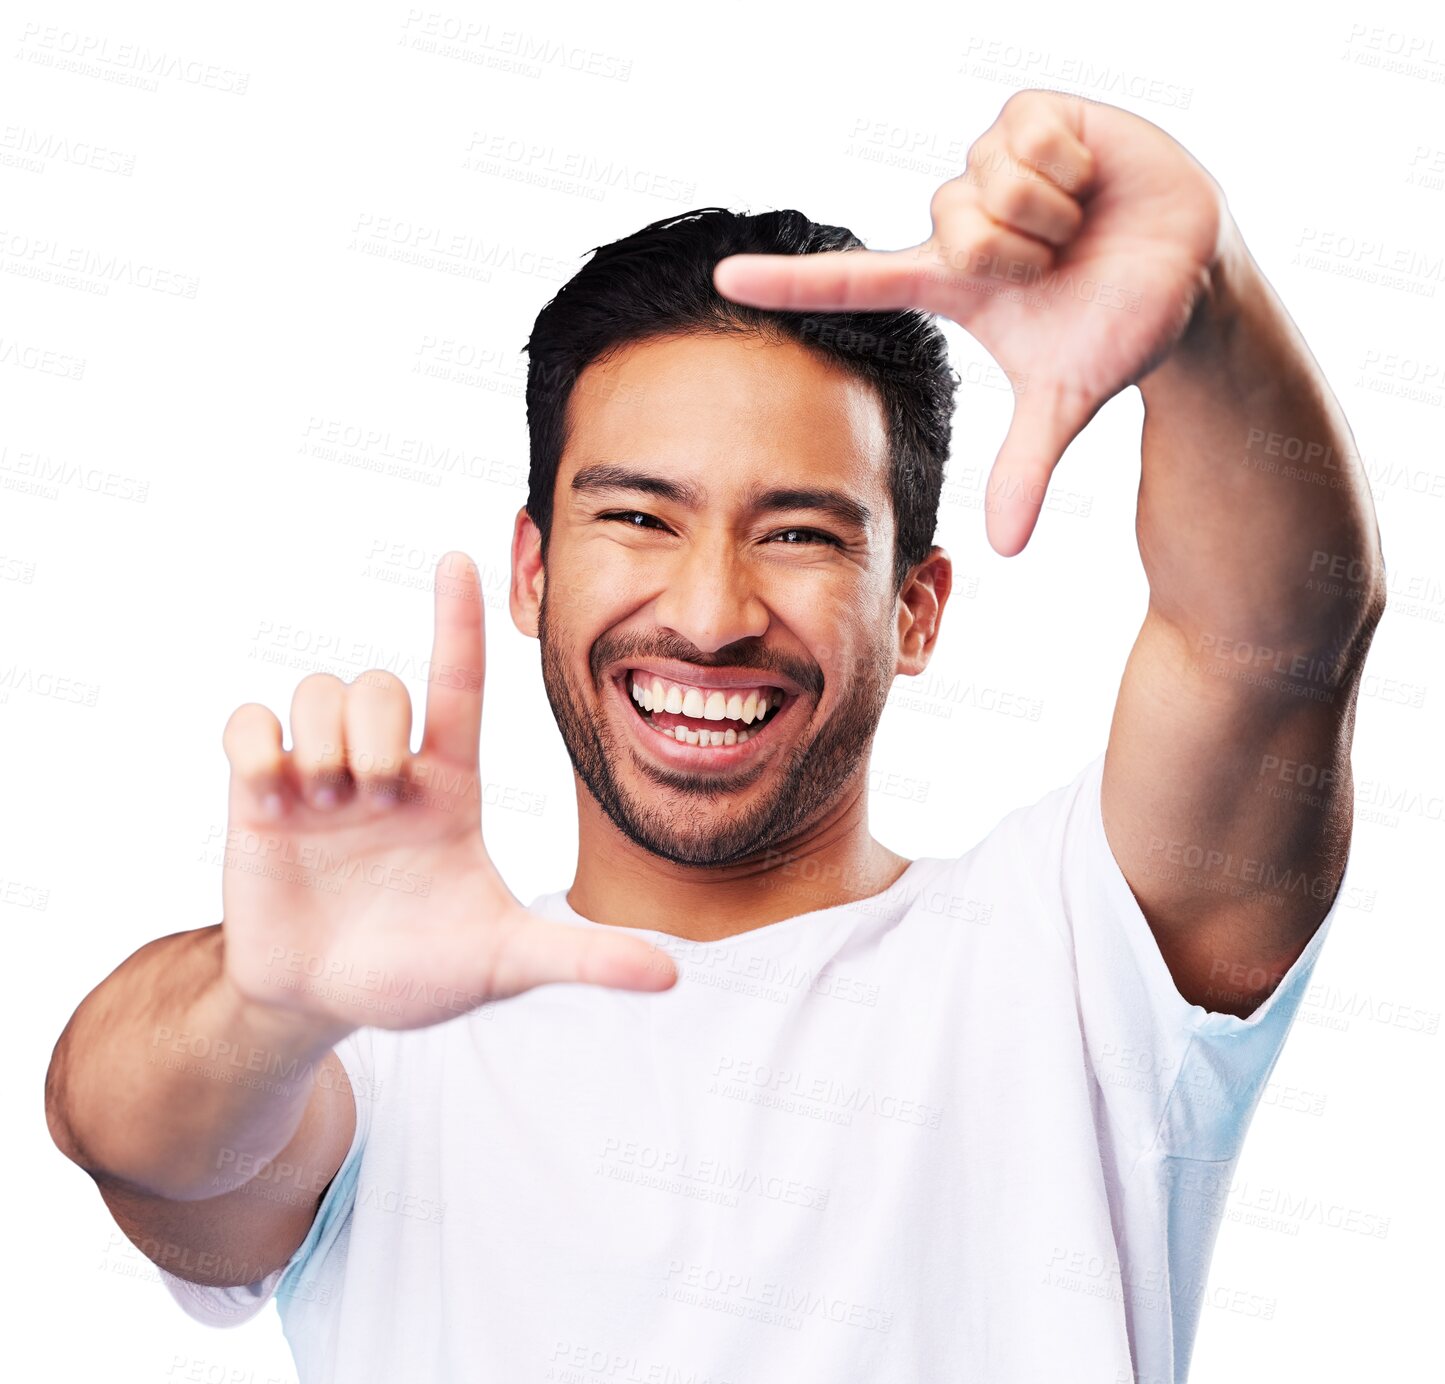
[{"x": 727, "y": 410}]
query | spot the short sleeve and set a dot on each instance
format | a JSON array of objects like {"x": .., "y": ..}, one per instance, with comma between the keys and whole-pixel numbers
[
  {"x": 1177, "y": 1077},
  {"x": 233, "y": 1306}
]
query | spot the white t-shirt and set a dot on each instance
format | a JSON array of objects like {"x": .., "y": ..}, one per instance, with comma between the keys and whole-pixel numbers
[{"x": 967, "y": 1129}]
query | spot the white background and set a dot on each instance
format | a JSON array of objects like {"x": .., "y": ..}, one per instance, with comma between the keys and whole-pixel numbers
[{"x": 200, "y": 547}]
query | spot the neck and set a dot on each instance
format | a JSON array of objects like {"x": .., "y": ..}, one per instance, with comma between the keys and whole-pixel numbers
[{"x": 832, "y": 861}]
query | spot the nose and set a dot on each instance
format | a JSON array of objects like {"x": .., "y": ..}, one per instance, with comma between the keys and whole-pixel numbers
[{"x": 711, "y": 597}]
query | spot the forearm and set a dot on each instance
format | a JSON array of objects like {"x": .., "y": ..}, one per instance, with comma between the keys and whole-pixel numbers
[
  {"x": 167, "y": 1081},
  {"x": 1255, "y": 523}
]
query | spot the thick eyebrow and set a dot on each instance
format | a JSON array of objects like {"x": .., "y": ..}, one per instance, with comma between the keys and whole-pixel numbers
[
  {"x": 602, "y": 476},
  {"x": 844, "y": 508},
  {"x": 606, "y": 476}
]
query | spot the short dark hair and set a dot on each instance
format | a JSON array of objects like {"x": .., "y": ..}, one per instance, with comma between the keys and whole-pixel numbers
[{"x": 658, "y": 282}]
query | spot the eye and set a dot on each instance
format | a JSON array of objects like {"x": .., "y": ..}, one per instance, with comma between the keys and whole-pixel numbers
[
  {"x": 630, "y": 518},
  {"x": 808, "y": 536},
  {"x": 792, "y": 537}
]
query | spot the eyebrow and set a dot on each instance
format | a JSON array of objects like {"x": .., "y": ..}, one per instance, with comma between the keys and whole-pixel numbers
[{"x": 606, "y": 476}]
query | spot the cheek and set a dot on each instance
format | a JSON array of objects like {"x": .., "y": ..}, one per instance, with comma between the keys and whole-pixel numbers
[
  {"x": 589, "y": 589},
  {"x": 845, "y": 635},
  {"x": 613, "y": 571}
]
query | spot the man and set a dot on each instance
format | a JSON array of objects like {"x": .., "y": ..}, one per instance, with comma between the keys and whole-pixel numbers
[{"x": 800, "y": 1108}]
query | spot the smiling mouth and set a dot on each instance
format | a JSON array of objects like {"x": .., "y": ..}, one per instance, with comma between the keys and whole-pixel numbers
[{"x": 703, "y": 716}]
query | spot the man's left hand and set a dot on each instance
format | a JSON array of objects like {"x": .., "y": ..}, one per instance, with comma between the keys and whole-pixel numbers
[{"x": 1074, "y": 246}]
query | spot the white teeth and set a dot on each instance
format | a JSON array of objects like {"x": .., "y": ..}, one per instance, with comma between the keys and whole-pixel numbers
[
  {"x": 708, "y": 738},
  {"x": 708, "y": 704},
  {"x": 743, "y": 735}
]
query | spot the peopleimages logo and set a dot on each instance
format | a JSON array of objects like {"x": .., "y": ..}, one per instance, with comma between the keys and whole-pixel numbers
[{"x": 129, "y": 64}]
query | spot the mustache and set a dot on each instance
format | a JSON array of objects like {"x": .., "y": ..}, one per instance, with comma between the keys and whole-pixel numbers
[{"x": 742, "y": 653}]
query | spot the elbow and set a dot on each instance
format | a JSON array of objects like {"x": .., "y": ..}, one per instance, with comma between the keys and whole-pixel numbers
[
  {"x": 1371, "y": 610},
  {"x": 57, "y": 1118},
  {"x": 1374, "y": 590},
  {"x": 1342, "y": 638}
]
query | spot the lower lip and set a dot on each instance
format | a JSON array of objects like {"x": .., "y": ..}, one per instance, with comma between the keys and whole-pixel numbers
[{"x": 684, "y": 756}]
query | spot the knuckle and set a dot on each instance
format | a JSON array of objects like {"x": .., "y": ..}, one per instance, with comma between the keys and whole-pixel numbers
[
  {"x": 1008, "y": 197},
  {"x": 990, "y": 246},
  {"x": 368, "y": 762},
  {"x": 940, "y": 202},
  {"x": 320, "y": 759},
  {"x": 983, "y": 160},
  {"x": 378, "y": 710},
  {"x": 251, "y": 739},
  {"x": 960, "y": 252},
  {"x": 1035, "y": 144},
  {"x": 248, "y": 717},
  {"x": 319, "y": 687},
  {"x": 1043, "y": 99},
  {"x": 983, "y": 238},
  {"x": 1029, "y": 103},
  {"x": 379, "y": 681},
  {"x": 1072, "y": 215}
]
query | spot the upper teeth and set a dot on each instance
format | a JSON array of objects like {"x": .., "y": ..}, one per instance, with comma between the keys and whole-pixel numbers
[{"x": 709, "y": 703}]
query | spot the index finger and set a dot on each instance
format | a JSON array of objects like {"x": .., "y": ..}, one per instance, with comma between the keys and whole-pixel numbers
[
  {"x": 453, "y": 726},
  {"x": 829, "y": 280}
]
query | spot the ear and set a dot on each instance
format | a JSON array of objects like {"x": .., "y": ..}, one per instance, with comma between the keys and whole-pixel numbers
[
  {"x": 920, "y": 610},
  {"x": 528, "y": 576}
]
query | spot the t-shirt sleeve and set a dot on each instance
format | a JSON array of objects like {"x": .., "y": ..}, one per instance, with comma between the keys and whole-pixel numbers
[
  {"x": 1174, "y": 1076},
  {"x": 232, "y": 1306}
]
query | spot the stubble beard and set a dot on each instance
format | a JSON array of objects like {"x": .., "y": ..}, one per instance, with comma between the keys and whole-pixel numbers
[{"x": 807, "y": 777}]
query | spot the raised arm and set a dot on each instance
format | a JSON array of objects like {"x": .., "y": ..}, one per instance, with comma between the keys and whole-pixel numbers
[
  {"x": 1088, "y": 251},
  {"x": 1227, "y": 793},
  {"x": 357, "y": 891}
]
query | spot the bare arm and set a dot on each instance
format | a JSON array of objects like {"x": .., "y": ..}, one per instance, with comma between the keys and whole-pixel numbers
[
  {"x": 1088, "y": 251},
  {"x": 357, "y": 890},
  {"x": 214, "y": 1178},
  {"x": 1227, "y": 792}
]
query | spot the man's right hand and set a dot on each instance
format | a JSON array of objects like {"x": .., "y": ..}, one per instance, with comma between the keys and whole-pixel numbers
[{"x": 357, "y": 890}]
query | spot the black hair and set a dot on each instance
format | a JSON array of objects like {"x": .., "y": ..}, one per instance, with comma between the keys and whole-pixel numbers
[{"x": 658, "y": 282}]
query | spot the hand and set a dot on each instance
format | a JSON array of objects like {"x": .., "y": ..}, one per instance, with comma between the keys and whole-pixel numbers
[
  {"x": 1074, "y": 247},
  {"x": 357, "y": 889}
]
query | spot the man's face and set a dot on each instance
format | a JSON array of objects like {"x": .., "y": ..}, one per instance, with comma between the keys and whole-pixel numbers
[{"x": 679, "y": 559}]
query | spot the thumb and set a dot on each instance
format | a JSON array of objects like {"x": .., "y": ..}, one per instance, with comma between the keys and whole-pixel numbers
[
  {"x": 863, "y": 280},
  {"x": 530, "y": 950},
  {"x": 1044, "y": 422}
]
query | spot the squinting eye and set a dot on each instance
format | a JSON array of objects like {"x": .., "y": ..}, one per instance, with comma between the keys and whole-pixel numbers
[
  {"x": 631, "y": 517},
  {"x": 626, "y": 516},
  {"x": 813, "y": 536}
]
